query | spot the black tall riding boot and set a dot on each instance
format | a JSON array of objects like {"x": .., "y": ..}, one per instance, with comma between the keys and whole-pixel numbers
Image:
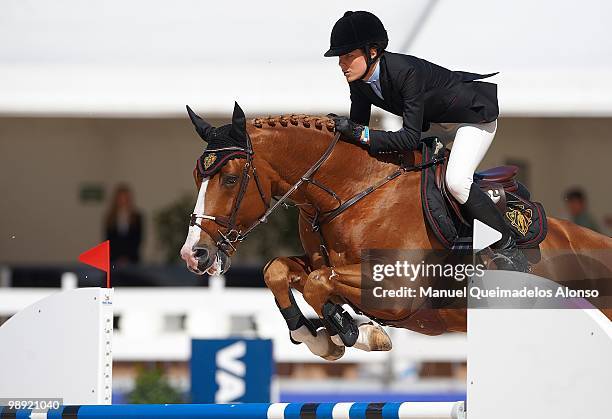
[{"x": 481, "y": 207}]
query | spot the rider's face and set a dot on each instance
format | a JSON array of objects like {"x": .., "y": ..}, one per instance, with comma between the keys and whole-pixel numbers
[{"x": 353, "y": 64}]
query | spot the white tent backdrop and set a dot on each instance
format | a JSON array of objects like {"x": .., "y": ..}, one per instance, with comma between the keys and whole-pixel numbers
[{"x": 150, "y": 58}]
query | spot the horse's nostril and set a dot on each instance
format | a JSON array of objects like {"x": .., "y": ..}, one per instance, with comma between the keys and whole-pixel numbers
[{"x": 201, "y": 253}]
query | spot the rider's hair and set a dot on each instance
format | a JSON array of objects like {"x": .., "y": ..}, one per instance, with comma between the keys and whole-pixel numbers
[
  {"x": 306, "y": 121},
  {"x": 380, "y": 48}
]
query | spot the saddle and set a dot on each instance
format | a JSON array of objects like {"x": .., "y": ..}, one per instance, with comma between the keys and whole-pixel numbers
[{"x": 526, "y": 218}]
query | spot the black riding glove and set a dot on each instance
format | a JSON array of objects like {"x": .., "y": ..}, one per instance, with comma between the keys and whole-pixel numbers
[{"x": 349, "y": 129}]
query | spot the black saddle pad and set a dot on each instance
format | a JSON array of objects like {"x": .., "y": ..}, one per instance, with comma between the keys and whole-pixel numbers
[{"x": 526, "y": 218}]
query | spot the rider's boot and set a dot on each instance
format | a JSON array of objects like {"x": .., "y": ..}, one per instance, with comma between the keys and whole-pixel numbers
[{"x": 481, "y": 207}]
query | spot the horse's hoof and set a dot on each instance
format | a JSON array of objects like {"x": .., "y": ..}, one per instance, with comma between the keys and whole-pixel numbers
[
  {"x": 336, "y": 353},
  {"x": 320, "y": 345},
  {"x": 372, "y": 337}
]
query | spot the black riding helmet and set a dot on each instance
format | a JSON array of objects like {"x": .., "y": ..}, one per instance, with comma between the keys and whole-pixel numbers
[{"x": 358, "y": 30}]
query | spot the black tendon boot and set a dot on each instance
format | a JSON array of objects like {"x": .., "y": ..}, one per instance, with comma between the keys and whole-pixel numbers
[
  {"x": 507, "y": 256},
  {"x": 295, "y": 319},
  {"x": 339, "y": 322}
]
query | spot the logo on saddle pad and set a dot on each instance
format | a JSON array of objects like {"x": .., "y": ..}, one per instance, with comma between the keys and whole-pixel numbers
[
  {"x": 209, "y": 160},
  {"x": 520, "y": 218}
]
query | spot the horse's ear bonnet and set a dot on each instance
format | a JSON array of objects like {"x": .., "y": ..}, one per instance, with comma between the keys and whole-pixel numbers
[{"x": 224, "y": 143}]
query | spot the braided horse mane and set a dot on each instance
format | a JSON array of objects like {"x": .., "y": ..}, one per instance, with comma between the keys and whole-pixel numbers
[{"x": 306, "y": 121}]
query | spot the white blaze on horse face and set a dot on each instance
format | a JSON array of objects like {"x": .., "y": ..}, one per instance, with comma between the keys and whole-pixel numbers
[{"x": 193, "y": 235}]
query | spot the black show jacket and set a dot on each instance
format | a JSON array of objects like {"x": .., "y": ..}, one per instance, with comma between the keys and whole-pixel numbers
[{"x": 421, "y": 92}]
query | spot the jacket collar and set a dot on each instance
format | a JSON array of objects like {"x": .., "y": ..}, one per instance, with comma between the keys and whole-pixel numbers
[
  {"x": 375, "y": 77},
  {"x": 383, "y": 77},
  {"x": 380, "y": 72}
]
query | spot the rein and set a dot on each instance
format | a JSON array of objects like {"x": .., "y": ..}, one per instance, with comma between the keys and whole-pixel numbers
[{"x": 233, "y": 235}]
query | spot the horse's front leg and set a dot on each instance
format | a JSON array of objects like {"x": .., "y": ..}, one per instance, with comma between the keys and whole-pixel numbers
[
  {"x": 282, "y": 274},
  {"x": 322, "y": 289}
]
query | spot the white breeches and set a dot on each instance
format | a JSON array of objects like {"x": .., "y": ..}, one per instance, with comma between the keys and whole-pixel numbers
[{"x": 470, "y": 144}]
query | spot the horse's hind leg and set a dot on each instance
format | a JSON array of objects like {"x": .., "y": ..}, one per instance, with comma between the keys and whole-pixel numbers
[
  {"x": 319, "y": 291},
  {"x": 282, "y": 274}
]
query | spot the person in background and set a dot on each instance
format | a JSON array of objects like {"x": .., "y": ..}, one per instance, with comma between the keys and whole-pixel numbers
[
  {"x": 123, "y": 227},
  {"x": 576, "y": 203},
  {"x": 608, "y": 223}
]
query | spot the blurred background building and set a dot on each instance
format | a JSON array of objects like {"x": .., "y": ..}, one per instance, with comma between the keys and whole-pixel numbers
[{"x": 93, "y": 94}]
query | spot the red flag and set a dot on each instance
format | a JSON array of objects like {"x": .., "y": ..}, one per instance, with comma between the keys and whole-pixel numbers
[{"x": 98, "y": 257}]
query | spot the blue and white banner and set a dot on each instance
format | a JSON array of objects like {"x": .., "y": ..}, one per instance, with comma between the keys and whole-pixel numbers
[{"x": 231, "y": 370}]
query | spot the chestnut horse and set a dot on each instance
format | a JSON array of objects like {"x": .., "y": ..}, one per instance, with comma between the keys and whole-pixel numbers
[{"x": 283, "y": 151}]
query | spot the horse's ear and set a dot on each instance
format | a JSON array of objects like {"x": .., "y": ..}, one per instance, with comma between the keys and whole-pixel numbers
[
  {"x": 238, "y": 130},
  {"x": 202, "y": 127}
]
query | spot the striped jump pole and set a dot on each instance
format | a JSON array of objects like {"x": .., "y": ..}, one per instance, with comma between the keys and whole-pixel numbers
[{"x": 408, "y": 410}]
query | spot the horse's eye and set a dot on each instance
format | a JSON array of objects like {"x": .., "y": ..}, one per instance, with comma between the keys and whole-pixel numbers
[{"x": 230, "y": 180}]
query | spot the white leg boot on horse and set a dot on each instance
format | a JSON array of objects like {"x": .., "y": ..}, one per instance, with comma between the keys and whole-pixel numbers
[
  {"x": 321, "y": 290},
  {"x": 282, "y": 274}
]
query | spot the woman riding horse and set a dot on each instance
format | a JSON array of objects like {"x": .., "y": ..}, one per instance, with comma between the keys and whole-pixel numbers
[
  {"x": 291, "y": 150},
  {"x": 430, "y": 99}
]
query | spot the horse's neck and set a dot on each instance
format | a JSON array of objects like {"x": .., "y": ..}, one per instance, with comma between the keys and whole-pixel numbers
[{"x": 292, "y": 152}]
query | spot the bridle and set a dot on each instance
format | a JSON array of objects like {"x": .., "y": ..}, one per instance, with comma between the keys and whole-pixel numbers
[{"x": 233, "y": 235}]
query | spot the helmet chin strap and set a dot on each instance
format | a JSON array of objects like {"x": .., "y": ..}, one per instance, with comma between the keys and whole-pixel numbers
[{"x": 369, "y": 61}]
